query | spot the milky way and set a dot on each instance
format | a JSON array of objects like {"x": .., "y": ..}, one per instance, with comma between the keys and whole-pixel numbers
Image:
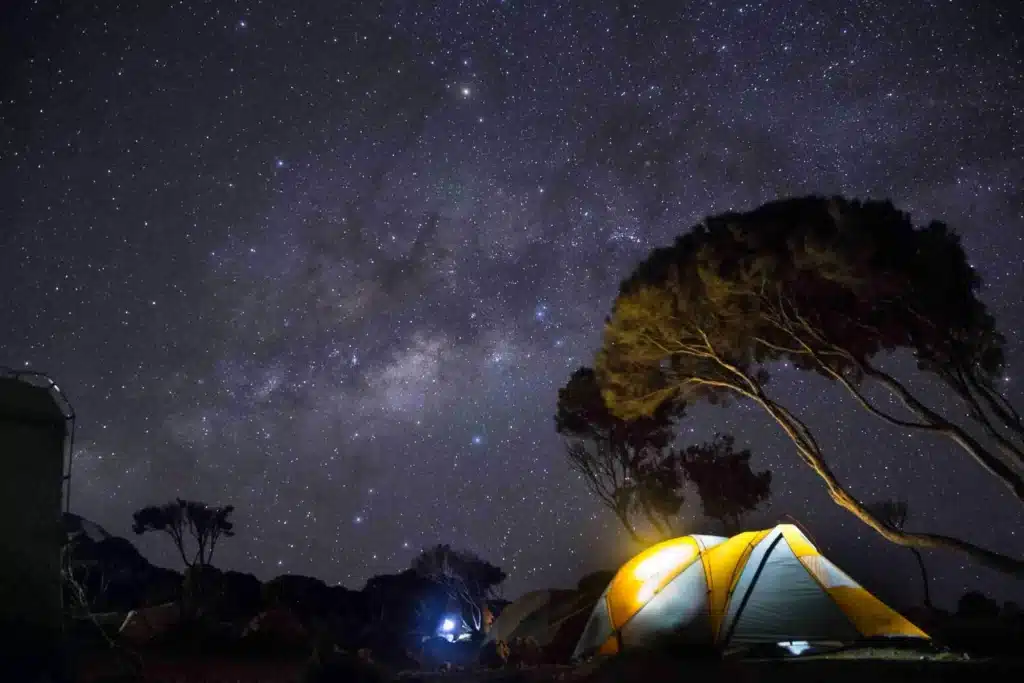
[{"x": 331, "y": 265}]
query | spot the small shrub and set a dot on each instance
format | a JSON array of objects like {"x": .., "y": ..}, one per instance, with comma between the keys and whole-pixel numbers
[
  {"x": 525, "y": 652},
  {"x": 342, "y": 667},
  {"x": 494, "y": 654}
]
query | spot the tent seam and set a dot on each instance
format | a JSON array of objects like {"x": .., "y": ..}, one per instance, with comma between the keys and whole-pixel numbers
[
  {"x": 750, "y": 588},
  {"x": 737, "y": 572}
]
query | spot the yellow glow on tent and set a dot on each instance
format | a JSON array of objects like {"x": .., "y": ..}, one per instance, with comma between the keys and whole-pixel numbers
[
  {"x": 665, "y": 560},
  {"x": 653, "y": 570},
  {"x": 644, "y": 575},
  {"x": 722, "y": 598}
]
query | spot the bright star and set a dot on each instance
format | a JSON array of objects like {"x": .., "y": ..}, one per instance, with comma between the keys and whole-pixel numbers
[
  {"x": 465, "y": 91},
  {"x": 477, "y": 440}
]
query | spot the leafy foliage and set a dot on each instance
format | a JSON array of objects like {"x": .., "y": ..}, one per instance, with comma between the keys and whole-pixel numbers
[
  {"x": 727, "y": 485},
  {"x": 184, "y": 519},
  {"x": 467, "y": 579},
  {"x": 826, "y": 285},
  {"x": 628, "y": 465}
]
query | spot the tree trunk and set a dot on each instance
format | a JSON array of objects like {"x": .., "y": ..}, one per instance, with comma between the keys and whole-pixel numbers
[
  {"x": 810, "y": 454},
  {"x": 661, "y": 529},
  {"x": 623, "y": 518},
  {"x": 924, "y": 578}
]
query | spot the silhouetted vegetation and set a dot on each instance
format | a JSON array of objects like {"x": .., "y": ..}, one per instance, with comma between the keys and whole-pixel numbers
[
  {"x": 466, "y": 579},
  {"x": 273, "y": 630},
  {"x": 895, "y": 513},
  {"x": 729, "y": 489},
  {"x": 634, "y": 471},
  {"x": 828, "y": 286},
  {"x": 185, "y": 519},
  {"x": 628, "y": 465}
]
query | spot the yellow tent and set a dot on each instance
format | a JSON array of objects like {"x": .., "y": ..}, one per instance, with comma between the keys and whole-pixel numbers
[{"x": 770, "y": 586}]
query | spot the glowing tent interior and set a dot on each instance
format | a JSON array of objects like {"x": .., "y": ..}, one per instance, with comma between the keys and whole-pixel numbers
[{"x": 770, "y": 586}]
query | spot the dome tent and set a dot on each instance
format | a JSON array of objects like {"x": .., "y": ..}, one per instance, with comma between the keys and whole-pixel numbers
[
  {"x": 770, "y": 586},
  {"x": 542, "y": 615}
]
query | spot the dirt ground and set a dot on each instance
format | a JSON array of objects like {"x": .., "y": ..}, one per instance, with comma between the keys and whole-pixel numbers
[{"x": 850, "y": 667}]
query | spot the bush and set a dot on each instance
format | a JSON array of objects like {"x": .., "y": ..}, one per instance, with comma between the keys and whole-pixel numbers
[
  {"x": 343, "y": 667},
  {"x": 525, "y": 652},
  {"x": 494, "y": 654}
]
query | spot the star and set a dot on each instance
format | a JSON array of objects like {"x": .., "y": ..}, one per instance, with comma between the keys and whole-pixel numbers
[{"x": 342, "y": 267}]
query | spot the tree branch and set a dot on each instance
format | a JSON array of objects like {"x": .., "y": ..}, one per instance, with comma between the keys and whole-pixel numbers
[
  {"x": 842, "y": 497},
  {"x": 994, "y": 465}
]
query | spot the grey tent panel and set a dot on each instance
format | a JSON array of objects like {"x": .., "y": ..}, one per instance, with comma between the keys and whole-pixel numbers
[
  {"x": 786, "y": 603},
  {"x": 515, "y": 614},
  {"x": 598, "y": 628},
  {"x": 680, "y": 607},
  {"x": 747, "y": 573}
]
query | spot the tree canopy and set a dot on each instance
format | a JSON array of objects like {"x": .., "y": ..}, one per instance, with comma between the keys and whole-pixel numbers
[
  {"x": 627, "y": 464},
  {"x": 183, "y": 519},
  {"x": 467, "y": 578},
  {"x": 828, "y": 285},
  {"x": 727, "y": 485}
]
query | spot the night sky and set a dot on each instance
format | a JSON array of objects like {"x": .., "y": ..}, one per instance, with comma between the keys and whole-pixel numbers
[{"x": 331, "y": 265}]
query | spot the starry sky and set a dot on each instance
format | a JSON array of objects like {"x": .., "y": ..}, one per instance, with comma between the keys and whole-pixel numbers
[{"x": 331, "y": 261}]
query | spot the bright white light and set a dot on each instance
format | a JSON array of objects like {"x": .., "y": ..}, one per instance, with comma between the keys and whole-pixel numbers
[
  {"x": 448, "y": 625},
  {"x": 652, "y": 570},
  {"x": 796, "y": 647},
  {"x": 663, "y": 561}
]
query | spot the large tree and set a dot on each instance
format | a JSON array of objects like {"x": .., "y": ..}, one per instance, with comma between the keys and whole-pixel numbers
[
  {"x": 467, "y": 579},
  {"x": 895, "y": 514},
  {"x": 728, "y": 487},
  {"x": 182, "y": 520},
  {"x": 628, "y": 465},
  {"x": 830, "y": 286}
]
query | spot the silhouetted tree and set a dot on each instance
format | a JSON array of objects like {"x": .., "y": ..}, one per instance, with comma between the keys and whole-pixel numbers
[
  {"x": 828, "y": 286},
  {"x": 184, "y": 519},
  {"x": 977, "y": 605},
  {"x": 628, "y": 465},
  {"x": 728, "y": 487},
  {"x": 465, "y": 577},
  {"x": 895, "y": 513}
]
